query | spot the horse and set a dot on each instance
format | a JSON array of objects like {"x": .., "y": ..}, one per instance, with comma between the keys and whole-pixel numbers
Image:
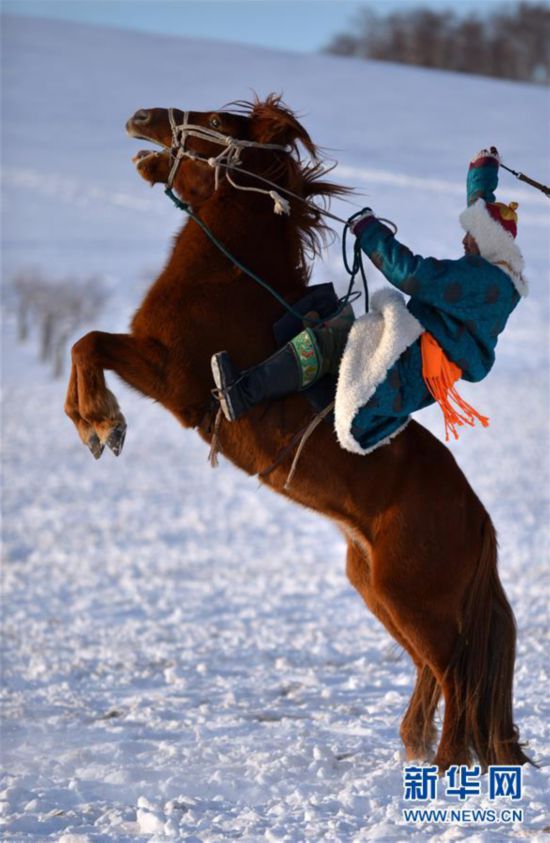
[{"x": 421, "y": 548}]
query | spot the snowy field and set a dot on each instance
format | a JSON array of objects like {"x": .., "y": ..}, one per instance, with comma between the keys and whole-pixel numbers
[{"x": 183, "y": 658}]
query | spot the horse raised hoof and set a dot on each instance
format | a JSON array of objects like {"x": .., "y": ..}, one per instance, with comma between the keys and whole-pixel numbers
[
  {"x": 95, "y": 446},
  {"x": 115, "y": 440}
]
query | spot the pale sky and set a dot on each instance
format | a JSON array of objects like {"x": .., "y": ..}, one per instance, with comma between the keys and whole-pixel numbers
[{"x": 282, "y": 24}]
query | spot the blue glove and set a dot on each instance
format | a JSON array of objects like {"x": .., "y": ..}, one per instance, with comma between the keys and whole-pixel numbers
[{"x": 482, "y": 177}]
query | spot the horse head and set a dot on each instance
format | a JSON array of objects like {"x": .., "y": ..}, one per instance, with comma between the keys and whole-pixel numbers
[{"x": 254, "y": 146}]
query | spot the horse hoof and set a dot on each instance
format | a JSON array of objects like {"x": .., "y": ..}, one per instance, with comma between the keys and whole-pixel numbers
[
  {"x": 95, "y": 446},
  {"x": 115, "y": 440}
]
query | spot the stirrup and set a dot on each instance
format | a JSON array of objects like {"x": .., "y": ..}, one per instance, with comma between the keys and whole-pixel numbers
[{"x": 221, "y": 365}]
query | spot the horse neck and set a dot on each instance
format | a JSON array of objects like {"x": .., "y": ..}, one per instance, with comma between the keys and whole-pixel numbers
[
  {"x": 228, "y": 311},
  {"x": 246, "y": 226}
]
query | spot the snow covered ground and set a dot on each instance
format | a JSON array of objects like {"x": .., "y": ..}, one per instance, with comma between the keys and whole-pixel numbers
[{"x": 183, "y": 658}]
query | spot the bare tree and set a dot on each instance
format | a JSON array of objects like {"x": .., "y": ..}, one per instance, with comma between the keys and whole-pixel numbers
[
  {"x": 77, "y": 304},
  {"x": 511, "y": 42},
  {"x": 26, "y": 287},
  {"x": 57, "y": 309}
]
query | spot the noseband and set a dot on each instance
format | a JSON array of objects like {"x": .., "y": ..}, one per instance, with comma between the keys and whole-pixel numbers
[{"x": 228, "y": 159}]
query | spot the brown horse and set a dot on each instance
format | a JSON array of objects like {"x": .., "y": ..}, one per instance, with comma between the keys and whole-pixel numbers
[{"x": 422, "y": 549}]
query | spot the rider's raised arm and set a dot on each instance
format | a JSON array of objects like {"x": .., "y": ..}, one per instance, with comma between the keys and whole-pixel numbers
[{"x": 394, "y": 260}]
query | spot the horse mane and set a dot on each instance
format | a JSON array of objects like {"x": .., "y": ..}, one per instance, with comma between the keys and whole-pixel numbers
[{"x": 305, "y": 178}]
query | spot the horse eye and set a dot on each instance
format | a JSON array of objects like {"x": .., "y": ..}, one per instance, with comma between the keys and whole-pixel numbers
[{"x": 215, "y": 122}]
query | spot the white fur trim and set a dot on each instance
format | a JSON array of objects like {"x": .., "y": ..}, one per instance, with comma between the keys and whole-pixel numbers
[
  {"x": 495, "y": 244},
  {"x": 375, "y": 342}
]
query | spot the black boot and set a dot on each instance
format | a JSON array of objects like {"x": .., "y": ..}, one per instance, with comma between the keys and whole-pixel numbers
[
  {"x": 238, "y": 391},
  {"x": 301, "y": 362}
]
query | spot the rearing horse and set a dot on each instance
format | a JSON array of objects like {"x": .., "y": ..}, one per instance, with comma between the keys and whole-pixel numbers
[{"x": 422, "y": 550}]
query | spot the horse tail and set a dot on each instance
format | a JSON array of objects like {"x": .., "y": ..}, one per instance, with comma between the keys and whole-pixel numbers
[{"x": 482, "y": 666}]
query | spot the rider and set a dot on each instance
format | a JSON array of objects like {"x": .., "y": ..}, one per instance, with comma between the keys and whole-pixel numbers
[{"x": 456, "y": 311}]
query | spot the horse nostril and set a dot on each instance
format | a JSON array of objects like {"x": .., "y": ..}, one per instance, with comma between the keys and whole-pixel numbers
[{"x": 142, "y": 116}]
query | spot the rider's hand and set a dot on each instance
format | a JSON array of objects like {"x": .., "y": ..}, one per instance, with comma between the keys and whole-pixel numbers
[{"x": 360, "y": 222}]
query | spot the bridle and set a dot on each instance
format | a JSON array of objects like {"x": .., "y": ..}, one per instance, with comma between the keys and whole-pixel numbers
[{"x": 228, "y": 159}]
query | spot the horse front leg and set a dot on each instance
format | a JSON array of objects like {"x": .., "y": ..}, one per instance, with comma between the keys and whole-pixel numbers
[
  {"x": 90, "y": 404},
  {"x": 85, "y": 428}
]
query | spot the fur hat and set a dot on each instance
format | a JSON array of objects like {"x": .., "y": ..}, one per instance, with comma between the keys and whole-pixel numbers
[{"x": 493, "y": 226}]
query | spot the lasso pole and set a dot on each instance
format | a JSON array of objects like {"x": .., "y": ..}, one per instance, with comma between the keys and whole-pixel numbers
[{"x": 522, "y": 177}]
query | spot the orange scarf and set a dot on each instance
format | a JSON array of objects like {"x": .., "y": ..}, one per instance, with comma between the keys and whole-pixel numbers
[{"x": 440, "y": 374}]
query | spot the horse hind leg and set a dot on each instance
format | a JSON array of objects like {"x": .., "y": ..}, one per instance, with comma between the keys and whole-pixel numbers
[
  {"x": 482, "y": 667},
  {"x": 434, "y": 639},
  {"x": 417, "y": 730},
  {"x": 463, "y": 628},
  {"x": 426, "y": 613}
]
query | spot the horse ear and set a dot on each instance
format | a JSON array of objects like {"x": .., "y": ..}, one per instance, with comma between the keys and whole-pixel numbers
[{"x": 273, "y": 122}]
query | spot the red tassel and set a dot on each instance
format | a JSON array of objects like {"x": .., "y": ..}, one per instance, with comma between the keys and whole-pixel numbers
[{"x": 440, "y": 374}]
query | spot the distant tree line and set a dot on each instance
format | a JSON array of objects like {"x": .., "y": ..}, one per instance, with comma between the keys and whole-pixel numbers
[
  {"x": 55, "y": 309},
  {"x": 510, "y": 42}
]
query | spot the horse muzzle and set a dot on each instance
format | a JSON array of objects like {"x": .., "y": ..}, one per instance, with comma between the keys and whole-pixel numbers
[{"x": 147, "y": 124}]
